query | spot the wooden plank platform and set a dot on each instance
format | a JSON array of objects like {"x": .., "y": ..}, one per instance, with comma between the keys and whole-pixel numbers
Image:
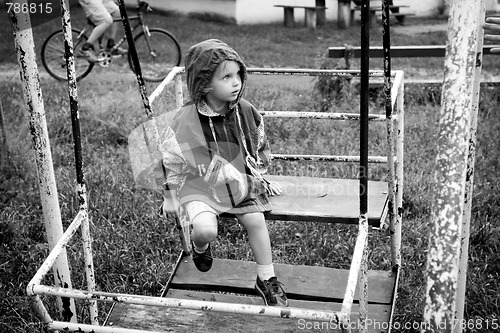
[
  {"x": 326, "y": 200},
  {"x": 301, "y": 282},
  {"x": 308, "y": 287},
  {"x": 163, "y": 319}
]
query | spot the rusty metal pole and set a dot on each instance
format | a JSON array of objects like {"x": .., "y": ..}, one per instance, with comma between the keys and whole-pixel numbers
[
  {"x": 24, "y": 44},
  {"x": 81, "y": 189},
  {"x": 363, "y": 158},
  {"x": 466, "y": 17},
  {"x": 5, "y": 147}
]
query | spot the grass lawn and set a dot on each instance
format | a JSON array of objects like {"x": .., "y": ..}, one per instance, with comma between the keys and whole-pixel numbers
[{"x": 134, "y": 250}]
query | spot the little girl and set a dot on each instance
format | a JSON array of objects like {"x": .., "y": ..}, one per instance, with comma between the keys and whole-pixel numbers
[{"x": 217, "y": 161}]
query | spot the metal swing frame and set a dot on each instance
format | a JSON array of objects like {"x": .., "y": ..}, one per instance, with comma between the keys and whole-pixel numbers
[{"x": 358, "y": 269}]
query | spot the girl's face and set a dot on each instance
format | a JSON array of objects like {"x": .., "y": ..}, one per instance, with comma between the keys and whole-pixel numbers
[{"x": 226, "y": 83}]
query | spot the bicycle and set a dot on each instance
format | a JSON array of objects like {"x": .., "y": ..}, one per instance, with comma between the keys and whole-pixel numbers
[{"x": 158, "y": 50}]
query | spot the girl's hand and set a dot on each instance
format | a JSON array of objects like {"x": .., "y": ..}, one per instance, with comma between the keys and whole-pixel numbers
[
  {"x": 169, "y": 207},
  {"x": 274, "y": 188}
]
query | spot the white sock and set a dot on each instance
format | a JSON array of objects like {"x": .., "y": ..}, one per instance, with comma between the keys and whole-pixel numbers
[
  {"x": 265, "y": 272},
  {"x": 200, "y": 250}
]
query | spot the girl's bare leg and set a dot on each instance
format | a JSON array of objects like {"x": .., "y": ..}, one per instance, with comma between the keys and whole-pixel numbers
[{"x": 258, "y": 236}]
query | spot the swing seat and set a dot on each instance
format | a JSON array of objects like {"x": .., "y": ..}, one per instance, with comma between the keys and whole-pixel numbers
[
  {"x": 308, "y": 287},
  {"x": 327, "y": 200}
]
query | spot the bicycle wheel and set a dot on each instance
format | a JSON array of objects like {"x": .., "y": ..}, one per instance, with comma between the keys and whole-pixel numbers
[
  {"x": 158, "y": 54},
  {"x": 53, "y": 58}
]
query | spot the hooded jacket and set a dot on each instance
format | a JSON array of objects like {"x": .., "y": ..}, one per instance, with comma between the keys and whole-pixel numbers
[{"x": 217, "y": 159}]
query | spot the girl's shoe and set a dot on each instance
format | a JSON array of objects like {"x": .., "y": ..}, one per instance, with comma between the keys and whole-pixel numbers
[
  {"x": 202, "y": 261},
  {"x": 271, "y": 291}
]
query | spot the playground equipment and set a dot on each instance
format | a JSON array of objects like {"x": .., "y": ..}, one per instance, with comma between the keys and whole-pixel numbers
[
  {"x": 318, "y": 303},
  {"x": 315, "y": 293}
]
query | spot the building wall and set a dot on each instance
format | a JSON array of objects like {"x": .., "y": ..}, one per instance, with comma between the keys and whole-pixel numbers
[
  {"x": 219, "y": 7},
  {"x": 263, "y": 11}
]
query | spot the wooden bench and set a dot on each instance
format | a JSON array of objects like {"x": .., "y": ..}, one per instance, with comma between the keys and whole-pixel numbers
[
  {"x": 394, "y": 11},
  {"x": 407, "y": 51},
  {"x": 310, "y": 18}
]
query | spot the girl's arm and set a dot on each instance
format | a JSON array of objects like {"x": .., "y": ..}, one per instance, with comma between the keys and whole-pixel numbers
[{"x": 263, "y": 153}]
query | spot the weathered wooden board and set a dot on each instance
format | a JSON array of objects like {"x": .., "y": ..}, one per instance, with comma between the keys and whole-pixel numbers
[
  {"x": 301, "y": 282},
  {"x": 181, "y": 320},
  {"x": 326, "y": 200}
]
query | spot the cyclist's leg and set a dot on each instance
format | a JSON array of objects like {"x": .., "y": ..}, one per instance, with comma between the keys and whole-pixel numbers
[
  {"x": 99, "y": 15},
  {"x": 114, "y": 11}
]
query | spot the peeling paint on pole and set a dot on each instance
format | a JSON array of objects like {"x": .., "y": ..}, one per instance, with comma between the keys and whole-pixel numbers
[
  {"x": 451, "y": 165},
  {"x": 24, "y": 44},
  {"x": 469, "y": 184},
  {"x": 81, "y": 190}
]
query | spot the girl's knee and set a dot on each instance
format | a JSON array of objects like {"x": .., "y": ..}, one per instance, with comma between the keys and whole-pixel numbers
[
  {"x": 205, "y": 227},
  {"x": 107, "y": 20}
]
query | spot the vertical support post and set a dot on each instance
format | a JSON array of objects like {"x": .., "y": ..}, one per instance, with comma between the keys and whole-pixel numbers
[
  {"x": 390, "y": 135},
  {"x": 135, "y": 58},
  {"x": 363, "y": 157},
  {"x": 81, "y": 190},
  {"x": 344, "y": 16},
  {"x": 289, "y": 19},
  {"x": 363, "y": 286},
  {"x": 364, "y": 98},
  {"x": 179, "y": 98},
  {"x": 310, "y": 18},
  {"x": 447, "y": 213},
  {"x": 24, "y": 44},
  {"x": 469, "y": 183},
  {"x": 5, "y": 147},
  {"x": 321, "y": 16},
  {"x": 399, "y": 179}
]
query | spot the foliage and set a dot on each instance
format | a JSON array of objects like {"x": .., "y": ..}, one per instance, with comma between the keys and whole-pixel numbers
[{"x": 331, "y": 89}]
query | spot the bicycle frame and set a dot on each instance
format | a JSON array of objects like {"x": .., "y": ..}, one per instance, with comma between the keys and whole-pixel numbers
[{"x": 139, "y": 17}]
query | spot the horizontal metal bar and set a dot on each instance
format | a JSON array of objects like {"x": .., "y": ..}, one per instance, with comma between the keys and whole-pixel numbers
[
  {"x": 327, "y": 158},
  {"x": 415, "y": 51},
  {"x": 170, "y": 77},
  {"x": 55, "y": 252},
  {"x": 84, "y": 328},
  {"x": 249, "y": 309},
  {"x": 312, "y": 72},
  {"x": 319, "y": 115}
]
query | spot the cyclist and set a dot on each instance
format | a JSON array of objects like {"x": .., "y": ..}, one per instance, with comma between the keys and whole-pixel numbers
[{"x": 101, "y": 13}]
